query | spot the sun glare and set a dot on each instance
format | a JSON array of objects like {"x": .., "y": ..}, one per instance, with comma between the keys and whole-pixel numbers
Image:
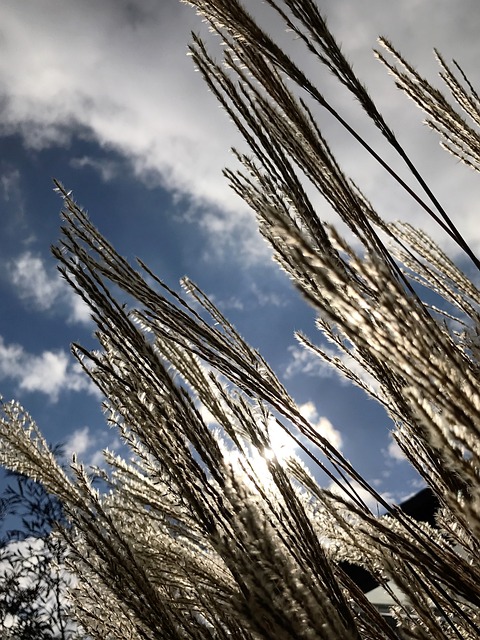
[
  {"x": 282, "y": 444},
  {"x": 282, "y": 447}
]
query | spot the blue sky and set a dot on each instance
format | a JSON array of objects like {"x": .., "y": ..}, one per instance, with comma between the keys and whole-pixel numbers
[{"x": 102, "y": 97}]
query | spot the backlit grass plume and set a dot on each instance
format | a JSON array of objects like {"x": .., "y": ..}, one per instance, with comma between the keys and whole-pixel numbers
[{"x": 207, "y": 532}]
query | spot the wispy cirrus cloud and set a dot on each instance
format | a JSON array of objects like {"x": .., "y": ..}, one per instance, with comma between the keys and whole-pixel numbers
[
  {"x": 50, "y": 372},
  {"x": 45, "y": 289}
]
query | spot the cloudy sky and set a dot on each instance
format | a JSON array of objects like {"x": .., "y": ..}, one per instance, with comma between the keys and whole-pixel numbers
[{"x": 102, "y": 96}]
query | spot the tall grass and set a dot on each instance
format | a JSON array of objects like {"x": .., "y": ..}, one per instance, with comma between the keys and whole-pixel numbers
[{"x": 206, "y": 532}]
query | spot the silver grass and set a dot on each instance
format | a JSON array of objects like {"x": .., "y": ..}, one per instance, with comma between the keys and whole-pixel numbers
[{"x": 205, "y": 532}]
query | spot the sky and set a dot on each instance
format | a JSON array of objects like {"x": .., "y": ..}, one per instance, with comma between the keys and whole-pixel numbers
[{"x": 103, "y": 97}]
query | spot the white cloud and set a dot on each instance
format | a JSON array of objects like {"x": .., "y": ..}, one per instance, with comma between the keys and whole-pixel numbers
[
  {"x": 79, "y": 442},
  {"x": 267, "y": 298},
  {"x": 79, "y": 310},
  {"x": 108, "y": 169},
  {"x": 29, "y": 275},
  {"x": 13, "y": 205},
  {"x": 321, "y": 424},
  {"x": 228, "y": 304},
  {"x": 9, "y": 182},
  {"x": 88, "y": 445},
  {"x": 394, "y": 451},
  {"x": 130, "y": 85},
  {"x": 303, "y": 361},
  {"x": 364, "y": 495},
  {"x": 207, "y": 416},
  {"x": 122, "y": 75},
  {"x": 49, "y": 373},
  {"x": 44, "y": 289},
  {"x": 10, "y": 359}
]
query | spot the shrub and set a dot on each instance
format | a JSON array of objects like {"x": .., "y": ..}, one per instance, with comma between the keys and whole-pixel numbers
[{"x": 33, "y": 580}]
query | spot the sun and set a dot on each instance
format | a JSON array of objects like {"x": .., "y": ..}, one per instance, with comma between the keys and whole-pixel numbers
[{"x": 282, "y": 445}]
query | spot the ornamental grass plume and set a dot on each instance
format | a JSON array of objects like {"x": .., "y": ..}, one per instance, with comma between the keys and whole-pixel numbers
[{"x": 206, "y": 532}]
